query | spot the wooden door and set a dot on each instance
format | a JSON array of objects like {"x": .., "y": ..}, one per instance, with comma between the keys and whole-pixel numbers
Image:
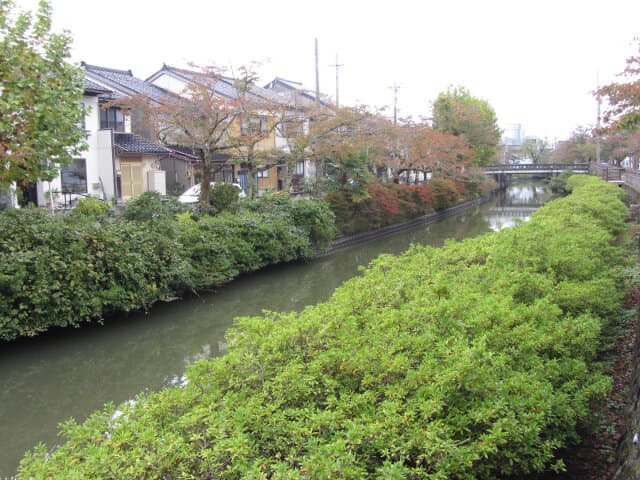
[{"x": 131, "y": 179}]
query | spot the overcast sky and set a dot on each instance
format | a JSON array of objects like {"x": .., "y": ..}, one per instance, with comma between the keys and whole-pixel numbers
[{"x": 535, "y": 62}]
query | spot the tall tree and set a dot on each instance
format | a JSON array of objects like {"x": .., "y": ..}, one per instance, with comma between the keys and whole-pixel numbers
[
  {"x": 623, "y": 98},
  {"x": 263, "y": 113},
  {"x": 324, "y": 135},
  {"x": 430, "y": 150},
  {"x": 457, "y": 112},
  {"x": 40, "y": 92},
  {"x": 199, "y": 118},
  {"x": 537, "y": 150},
  {"x": 579, "y": 148}
]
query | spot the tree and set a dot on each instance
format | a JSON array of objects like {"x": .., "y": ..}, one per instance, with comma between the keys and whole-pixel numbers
[
  {"x": 40, "y": 93},
  {"x": 623, "y": 112},
  {"x": 200, "y": 118},
  {"x": 263, "y": 114},
  {"x": 430, "y": 150},
  {"x": 579, "y": 148},
  {"x": 537, "y": 150},
  {"x": 327, "y": 136},
  {"x": 457, "y": 112}
]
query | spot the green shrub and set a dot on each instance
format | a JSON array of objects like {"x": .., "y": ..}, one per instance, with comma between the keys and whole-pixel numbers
[
  {"x": 476, "y": 360},
  {"x": 222, "y": 196},
  {"x": 558, "y": 184},
  {"x": 91, "y": 206},
  {"x": 151, "y": 206},
  {"x": 66, "y": 269},
  {"x": 445, "y": 193}
]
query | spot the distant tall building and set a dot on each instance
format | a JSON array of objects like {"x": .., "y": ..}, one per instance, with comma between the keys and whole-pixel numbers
[{"x": 513, "y": 135}]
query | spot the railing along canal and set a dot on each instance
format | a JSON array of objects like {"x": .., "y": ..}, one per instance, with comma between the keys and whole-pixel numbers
[{"x": 536, "y": 168}]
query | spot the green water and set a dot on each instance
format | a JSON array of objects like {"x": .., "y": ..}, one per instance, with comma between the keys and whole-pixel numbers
[{"x": 72, "y": 372}]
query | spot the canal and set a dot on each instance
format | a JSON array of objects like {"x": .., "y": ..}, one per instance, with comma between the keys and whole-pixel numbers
[{"x": 72, "y": 372}]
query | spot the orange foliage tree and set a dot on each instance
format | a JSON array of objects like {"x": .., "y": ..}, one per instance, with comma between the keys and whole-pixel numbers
[
  {"x": 623, "y": 98},
  {"x": 199, "y": 118}
]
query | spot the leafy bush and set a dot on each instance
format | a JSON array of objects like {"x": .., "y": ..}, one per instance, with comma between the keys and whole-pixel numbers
[
  {"x": 66, "y": 269},
  {"x": 222, "y": 196},
  {"x": 558, "y": 184},
  {"x": 445, "y": 193},
  {"x": 315, "y": 218},
  {"x": 62, "y": 270},
  {"x": 477, "y": 360},
  {"x": 152, "y": 205},
  {"x": 91, "y": 206},
  {"x": 391, "y": 203}
]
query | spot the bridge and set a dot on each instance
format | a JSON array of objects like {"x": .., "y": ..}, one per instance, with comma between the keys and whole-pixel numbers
[
  {"x": 503, "y": 173},
  {"x": 536, "y": 168},
  {"x": 523, "y": 211}
]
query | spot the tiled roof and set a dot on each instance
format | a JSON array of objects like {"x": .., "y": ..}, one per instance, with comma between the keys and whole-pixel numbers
[
  {"x": 92, "y": 87},
  {"x": 186, "y": 151},
  {"x": 223, "y": 85},
  {"x": 132, "y": 143},
  {"x": 285, "y": 87},
  {"x": 124, "y": 82}
]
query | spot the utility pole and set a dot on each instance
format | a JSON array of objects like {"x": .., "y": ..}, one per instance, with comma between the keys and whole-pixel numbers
[
  {"x": 395, "y": 89},
  {"x": 337, "y": 65},
  {"x": 317, "y": 75},
  {"x": 598, "y": 124}
]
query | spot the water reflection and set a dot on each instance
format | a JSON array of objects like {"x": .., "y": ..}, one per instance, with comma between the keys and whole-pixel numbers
[
  {"x": 516, "y": 205},
  {"x": 72, "y": 372}
]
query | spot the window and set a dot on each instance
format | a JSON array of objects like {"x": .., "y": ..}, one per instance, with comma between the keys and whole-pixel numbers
[
  {"x": 253, "y": 125},
  {"x": 293, "y": 129},
  {"x": 83, "y": 125},
  {"x": 74, "y": 176},
  {"x": 112, "y": 118},
  {"x": 263, "y": 174},
  {"x": 300, "y": 167}
]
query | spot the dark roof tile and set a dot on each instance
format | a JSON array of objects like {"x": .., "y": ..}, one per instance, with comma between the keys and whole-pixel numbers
[
  {"x": 132, "y": 143},
  {"x": 92, "y": 87},
  {"x": 124, "y": 81},
  {"x": 223, "y": 85}
]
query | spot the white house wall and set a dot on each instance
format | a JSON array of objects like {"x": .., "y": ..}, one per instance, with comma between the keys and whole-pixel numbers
[
  {"x": 169, "y": 83},
  {"x": 282, "y": 144},
  {"x": 98, "y": 160},
  {"x": 100, "y": 169}
]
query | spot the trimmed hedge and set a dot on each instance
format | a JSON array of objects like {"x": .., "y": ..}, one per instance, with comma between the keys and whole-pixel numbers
[
  {"x": 477, "y": 360},
  {"x": 391, "y": 203},
  {"x": 66, "y": 269}
]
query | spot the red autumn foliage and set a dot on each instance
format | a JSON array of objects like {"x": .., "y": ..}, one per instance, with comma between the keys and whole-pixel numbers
[{"x": 392, "y": 203}]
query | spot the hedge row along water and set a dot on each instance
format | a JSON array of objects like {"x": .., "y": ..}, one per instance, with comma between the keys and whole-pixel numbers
[
  {"x": 66, "y": 269},
  {"x": 390, "y": 203},
  {"x": 477, "y": 360}
]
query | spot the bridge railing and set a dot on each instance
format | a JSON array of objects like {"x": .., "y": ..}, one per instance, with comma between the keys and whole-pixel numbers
[
  {"x": 607, "y": 172},
  {"x": 536, "y": 167}
]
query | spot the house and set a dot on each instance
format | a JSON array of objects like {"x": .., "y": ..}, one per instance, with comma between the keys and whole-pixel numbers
[
  {"x": 230, "y": 166},
  {"x": 178, "y": 164},
  {"x": 118, "y": 163},
  {"x": 89, "y": 175},
  {"x": 303, "y": 99}
]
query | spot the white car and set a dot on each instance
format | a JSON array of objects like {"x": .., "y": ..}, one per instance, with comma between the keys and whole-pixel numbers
[{"x": 192, "y": 195}]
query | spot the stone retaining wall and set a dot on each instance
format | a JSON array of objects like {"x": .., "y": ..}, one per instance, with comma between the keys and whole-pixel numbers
[
  {"x": 632, "y": 178},
  {"x": 628, "y": 452}
]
